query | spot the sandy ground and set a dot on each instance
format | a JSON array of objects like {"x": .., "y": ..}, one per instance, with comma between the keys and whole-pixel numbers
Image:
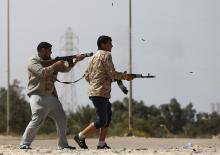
[{"x": 120, "y": 145}]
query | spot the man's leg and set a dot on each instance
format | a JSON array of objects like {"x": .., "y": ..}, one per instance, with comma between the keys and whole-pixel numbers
[
  {"x": 58, "y": 115},
  {"x": 101, "y": 120},
  {"x": 101, "y": 116},
  {"x": 39, "y": 113},
  {"x": 80, "y": 138},
  {"x": 88, "y": 130},
  {"x": 103, "y": 132}
]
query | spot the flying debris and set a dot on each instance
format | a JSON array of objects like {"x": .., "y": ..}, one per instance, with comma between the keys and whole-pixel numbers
[{"x": 143, "y": 39}]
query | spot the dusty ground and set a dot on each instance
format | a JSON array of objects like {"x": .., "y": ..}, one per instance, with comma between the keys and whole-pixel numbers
[{"x": 120, "y": 145}]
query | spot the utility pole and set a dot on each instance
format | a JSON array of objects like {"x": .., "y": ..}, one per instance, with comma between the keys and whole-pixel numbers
[
  {"x": 8, "y": 68},
  {"x": 130, "y": 71}
]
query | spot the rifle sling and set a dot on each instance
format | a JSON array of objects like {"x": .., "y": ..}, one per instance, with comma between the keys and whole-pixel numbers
[
  {"x": 70, "y": 82},
  {"x": 119, "y": 82}
]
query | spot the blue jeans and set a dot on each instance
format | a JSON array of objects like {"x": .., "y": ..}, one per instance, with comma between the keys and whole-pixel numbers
[{"x": 103, "y": 111}]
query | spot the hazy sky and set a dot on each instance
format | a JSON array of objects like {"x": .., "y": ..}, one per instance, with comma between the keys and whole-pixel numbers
[{"x": 181, "y": 36}]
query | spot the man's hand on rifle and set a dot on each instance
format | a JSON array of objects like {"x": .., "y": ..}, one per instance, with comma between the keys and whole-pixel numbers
[
  {"x": 58, "y": 66},
  {"x": 79, "y": 57},
  {"x": 129, "y": 77}
]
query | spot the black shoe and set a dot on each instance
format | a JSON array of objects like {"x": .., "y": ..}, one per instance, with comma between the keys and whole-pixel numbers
[
  {"x": 105, "y": 146},
  {"x": 68, "y": 147},
  {"x": 81, "y": 142},
  {"x": 25, "y": 147}
]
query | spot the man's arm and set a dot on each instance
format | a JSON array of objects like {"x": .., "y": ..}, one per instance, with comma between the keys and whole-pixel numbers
[
  {"x": 68, "y": 65},
  {"x": 36, "y": 68},
  {"x": 87, "y": 74},
  {"x": 112, "y": 72}
]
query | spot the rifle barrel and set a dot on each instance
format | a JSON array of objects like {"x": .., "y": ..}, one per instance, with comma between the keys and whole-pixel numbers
[
  {"x": 88, "y": 54},
  {"x": 142, "y": 76},
  {"x": 66, "y": 58},
  {"x": 149, "y": 76}
]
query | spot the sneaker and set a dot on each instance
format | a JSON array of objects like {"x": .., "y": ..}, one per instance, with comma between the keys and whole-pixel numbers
[
  {"x": 24, "y": 146},
  {"x": 80, "y": 142},
  {"x": 68, "y": 147},
  {"x": 105, "y": 146}
]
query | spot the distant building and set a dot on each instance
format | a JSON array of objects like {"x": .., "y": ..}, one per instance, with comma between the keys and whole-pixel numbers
[{"x": 215, "y": 107}]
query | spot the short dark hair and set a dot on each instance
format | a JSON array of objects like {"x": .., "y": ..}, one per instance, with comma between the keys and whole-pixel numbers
[
  {"x": 43, "y": 45},
  {"x": 103, "y": 40}
]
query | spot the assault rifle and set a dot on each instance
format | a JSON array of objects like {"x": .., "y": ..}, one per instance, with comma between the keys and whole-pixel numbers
[
  {"x": 122, "y": 86},
  {"x": 69, "y": 59}
]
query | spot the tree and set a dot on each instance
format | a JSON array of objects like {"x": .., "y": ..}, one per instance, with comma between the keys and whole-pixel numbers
[
  {"x": 167, "y": 119},
  {"x": 80, "y": 119},
  {"x": 119, "y": 122},
  {"x": 19, "y": 109},
  {"x": 172, "y": 113}
]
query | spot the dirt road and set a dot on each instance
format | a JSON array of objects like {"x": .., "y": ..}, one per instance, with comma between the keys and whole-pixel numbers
[{"x": 120, "y": 145}]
